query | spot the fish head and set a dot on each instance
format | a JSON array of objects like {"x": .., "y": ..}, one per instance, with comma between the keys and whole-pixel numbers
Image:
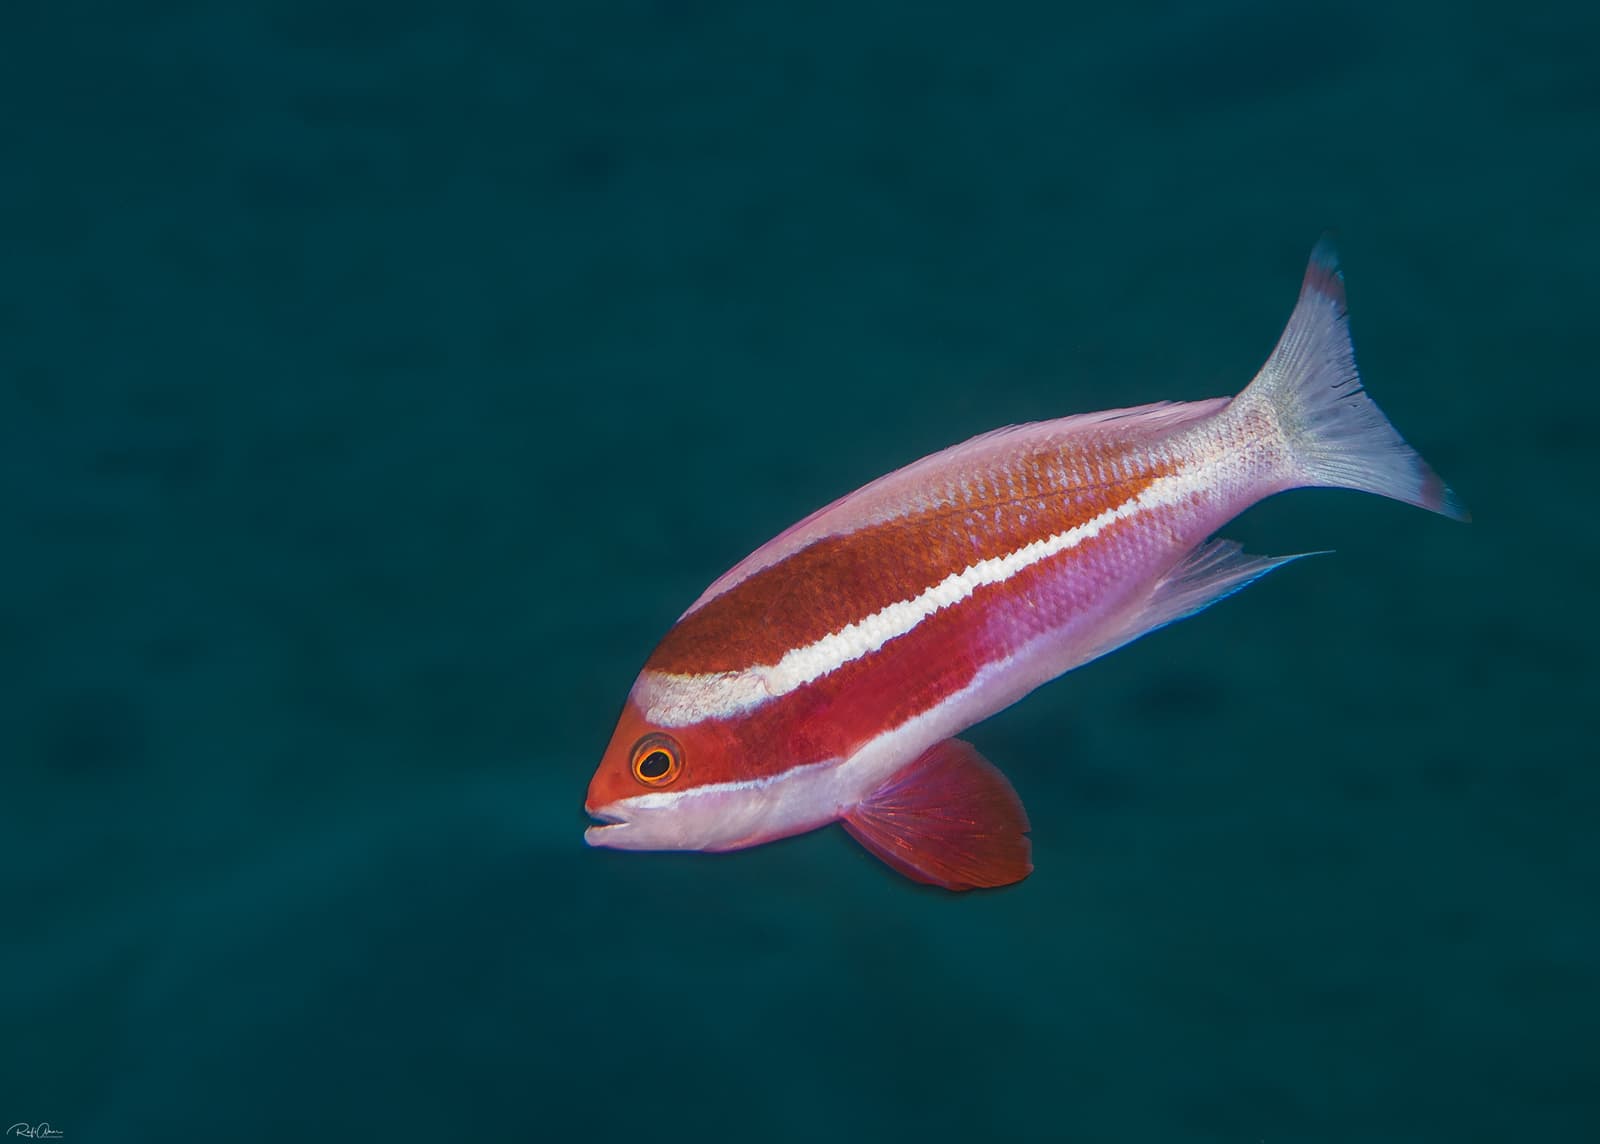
[{"x": 668, "y": 788}]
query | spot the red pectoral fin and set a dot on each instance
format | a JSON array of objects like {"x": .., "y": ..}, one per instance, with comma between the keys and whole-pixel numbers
[{"x": 950, "y": 819}]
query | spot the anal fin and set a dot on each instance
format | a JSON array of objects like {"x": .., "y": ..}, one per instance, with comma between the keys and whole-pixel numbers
[
  {"x": 1210, "y": 573},
  {"x": 949, "y": 819}
]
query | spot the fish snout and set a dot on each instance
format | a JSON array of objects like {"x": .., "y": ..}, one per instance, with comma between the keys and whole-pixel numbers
[{"x": 610, "y": 818}]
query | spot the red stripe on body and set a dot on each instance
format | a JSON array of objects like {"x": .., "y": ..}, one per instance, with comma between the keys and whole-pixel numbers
[
  {"x": 841, "y": 579},
  {"x": 838, "y": 713}
]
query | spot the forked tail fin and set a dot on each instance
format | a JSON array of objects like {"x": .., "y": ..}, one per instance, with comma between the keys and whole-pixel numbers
[{"x": 1334, "y": 433}]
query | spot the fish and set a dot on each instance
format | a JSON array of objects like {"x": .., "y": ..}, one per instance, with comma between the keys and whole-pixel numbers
[{"x": 825, "y": 677}]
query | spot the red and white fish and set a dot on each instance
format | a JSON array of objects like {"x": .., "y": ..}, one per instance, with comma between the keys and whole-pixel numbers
[{"x": 824, "y": 677}]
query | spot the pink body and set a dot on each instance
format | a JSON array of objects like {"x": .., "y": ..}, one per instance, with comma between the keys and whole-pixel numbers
[{"x": 815, "y": 680}]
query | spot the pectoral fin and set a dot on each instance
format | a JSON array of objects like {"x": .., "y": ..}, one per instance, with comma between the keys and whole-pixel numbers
[{"x": 949, "y": 819}]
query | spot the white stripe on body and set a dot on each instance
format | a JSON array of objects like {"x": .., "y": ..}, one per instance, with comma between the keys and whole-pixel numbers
[
  {"x": 933, "y": 481},
  {"x": 675, "y": 700},
  {"x": 721, "y": 816}
]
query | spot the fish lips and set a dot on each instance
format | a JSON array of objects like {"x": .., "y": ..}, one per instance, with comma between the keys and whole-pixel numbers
[{"x": 612, "y": 822}]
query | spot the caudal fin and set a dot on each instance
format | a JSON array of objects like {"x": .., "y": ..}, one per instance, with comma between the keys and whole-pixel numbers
[{"x": 1334, "y": 433}]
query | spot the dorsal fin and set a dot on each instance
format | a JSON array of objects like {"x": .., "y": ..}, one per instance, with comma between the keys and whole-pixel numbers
[{"x": 890, "y": 495}]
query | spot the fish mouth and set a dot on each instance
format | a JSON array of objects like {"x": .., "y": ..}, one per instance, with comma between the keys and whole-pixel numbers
[{"x": 611, "y": 821}]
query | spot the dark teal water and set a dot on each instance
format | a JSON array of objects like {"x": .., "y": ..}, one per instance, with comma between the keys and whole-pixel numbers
[{"x": 378, "y": 382}]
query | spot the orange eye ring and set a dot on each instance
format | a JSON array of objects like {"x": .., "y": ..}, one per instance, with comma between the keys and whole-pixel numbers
[{"x": 657, "y": 760}]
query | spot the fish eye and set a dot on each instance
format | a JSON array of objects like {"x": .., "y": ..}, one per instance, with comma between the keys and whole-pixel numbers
[{"x": 657, "y": 760}]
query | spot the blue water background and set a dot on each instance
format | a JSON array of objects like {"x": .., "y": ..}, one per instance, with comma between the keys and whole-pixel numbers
[{"x": 379, "y": 381}]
